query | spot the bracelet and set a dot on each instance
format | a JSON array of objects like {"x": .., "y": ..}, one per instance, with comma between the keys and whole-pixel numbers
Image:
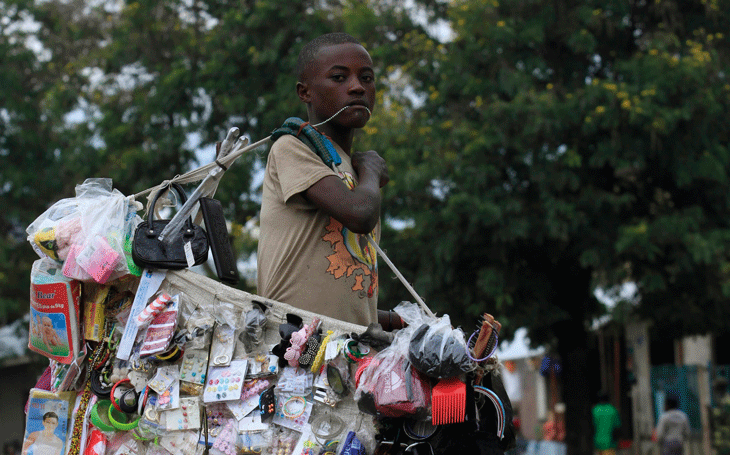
[
  {"x": 98, "y": 413},
  {"x": 99, "y": 389},
  {"x": 287, "y": 412},
  {"x": 114, "y": 400},
  {"x": 127, "y": 405},
  {"x": 170, "y": 354},
  {"x": 469, "y": 344},
  {"x": 353, "y": 356},
  {"x": 116, "y": 417}
]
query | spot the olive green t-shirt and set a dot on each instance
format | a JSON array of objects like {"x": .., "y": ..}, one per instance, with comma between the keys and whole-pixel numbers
[{"x": 306, "y": 258}]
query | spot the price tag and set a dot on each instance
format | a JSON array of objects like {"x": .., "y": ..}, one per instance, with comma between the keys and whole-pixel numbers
[{"x": 189, "y": 254}]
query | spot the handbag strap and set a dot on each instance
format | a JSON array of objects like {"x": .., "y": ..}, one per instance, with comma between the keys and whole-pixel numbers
[{"x": 183, "y": 197}]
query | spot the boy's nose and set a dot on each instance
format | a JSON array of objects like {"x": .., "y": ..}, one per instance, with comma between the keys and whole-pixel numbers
[{"x": 356, "y": 86}]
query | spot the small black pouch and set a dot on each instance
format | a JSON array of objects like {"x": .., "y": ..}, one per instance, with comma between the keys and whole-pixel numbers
[
  {"x": 220, "y": 246},
  {"x": 150, "y": 252}
]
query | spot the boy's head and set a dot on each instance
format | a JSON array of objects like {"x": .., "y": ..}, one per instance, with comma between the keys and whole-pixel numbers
[
  {"x": 671, "y": 403},
  {"x": 335, "y": 71}
]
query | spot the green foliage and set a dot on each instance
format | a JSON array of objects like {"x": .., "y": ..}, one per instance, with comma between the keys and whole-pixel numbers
[{"x": 555, "y": 139}]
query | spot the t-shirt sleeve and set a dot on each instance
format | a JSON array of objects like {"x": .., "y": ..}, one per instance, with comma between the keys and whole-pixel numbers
[{"x": 297, "y": 166}]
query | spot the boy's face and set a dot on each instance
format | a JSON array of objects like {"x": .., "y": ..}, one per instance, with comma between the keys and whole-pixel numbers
[{"x": 341, "y": 75}]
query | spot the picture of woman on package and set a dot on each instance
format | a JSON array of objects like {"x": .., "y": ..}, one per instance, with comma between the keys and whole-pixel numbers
[
  {"x": 45, "y": 335},
  {"x": 45, "y": 441}
]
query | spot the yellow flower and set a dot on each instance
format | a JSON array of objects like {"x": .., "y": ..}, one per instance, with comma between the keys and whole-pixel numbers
[
  {"x": 626, "y": 104},
  {"x": 653, "y": 52},
  {"x": 600, "y": 109},
  {"x": 501, "y": 24},
  {"x": 549, "y": 86}
]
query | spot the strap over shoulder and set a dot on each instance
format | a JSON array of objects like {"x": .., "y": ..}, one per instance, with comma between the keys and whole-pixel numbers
[{"x": 316, "y": 141}]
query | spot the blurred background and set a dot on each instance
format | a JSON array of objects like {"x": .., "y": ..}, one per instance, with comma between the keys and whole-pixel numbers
[{"x": 563, "y": 165}]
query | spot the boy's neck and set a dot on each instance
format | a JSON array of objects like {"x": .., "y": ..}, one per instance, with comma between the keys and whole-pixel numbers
[{"x": 341, "y": 136}]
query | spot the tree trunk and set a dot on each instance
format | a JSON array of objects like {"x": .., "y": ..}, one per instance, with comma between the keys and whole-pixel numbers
[{"x": 573, "y": 351}]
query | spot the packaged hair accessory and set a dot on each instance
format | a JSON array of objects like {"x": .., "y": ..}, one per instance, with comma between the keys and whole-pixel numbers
[{"x": 160, "y": 331}]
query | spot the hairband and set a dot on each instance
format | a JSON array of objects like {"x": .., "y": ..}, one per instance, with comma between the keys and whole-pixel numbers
[{"x": 319, "y": 358}]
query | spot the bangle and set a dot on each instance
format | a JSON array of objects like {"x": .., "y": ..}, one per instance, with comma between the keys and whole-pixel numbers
[
  {"x": 100, "y": 390},
  {"x": 115, "y": 402},
  {"x": 128, "y": 406},
  {"x": 470, "y": 345},
  {"x": 288, "y": 413},
  {"x": 169, "y": 354},
  {"x": 116, "y": 417},
  {"x": 99, "y": 413},
  {"x": 353, "y": 355}
]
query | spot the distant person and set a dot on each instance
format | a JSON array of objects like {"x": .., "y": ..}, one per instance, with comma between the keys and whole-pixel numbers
[
  {"x": 720, "y": 417},
  {"x": 672, "y": 429},
  {"x": 605, "y": 423},
  {"x": 45, "y": 441},
  {"x": 554, "y": 428}
]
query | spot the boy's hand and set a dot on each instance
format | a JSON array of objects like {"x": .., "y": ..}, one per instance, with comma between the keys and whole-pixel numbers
[{"x": 370, "y": 165}]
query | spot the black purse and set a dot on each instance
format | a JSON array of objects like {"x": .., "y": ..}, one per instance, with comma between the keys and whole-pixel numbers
[{"x": 149, "y": 252}]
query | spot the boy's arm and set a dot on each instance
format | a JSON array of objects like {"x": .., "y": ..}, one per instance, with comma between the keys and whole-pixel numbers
[{"x": 357, "y": 209}]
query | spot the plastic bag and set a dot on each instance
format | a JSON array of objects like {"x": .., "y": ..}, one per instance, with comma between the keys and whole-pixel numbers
[
  {"x": 389, "y": 386},
  {"x": 89, "y": 233},
  {"x": 439, "y": 351}
]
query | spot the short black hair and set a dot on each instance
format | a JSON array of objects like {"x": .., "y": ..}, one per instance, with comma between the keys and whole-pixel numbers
[
  {"x": 310, "y": 50},
  {"x": 49, "y": 415},
  {"x": 672, "y": 402}
]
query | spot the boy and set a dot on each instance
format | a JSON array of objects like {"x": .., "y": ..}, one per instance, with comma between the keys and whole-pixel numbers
[{"x": 312, "y": 251}]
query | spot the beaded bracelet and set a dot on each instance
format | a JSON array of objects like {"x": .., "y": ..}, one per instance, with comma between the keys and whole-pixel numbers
[{"x": 287, "y": 412}]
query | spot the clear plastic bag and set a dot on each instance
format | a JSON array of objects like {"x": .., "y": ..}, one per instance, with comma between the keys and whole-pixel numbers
[
  {"x": 89, "y": 233},
  {"x": 389, "y": 386},
  {"x": 439, "y": 351}
]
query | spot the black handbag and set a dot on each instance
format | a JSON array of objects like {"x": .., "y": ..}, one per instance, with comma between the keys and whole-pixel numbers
[{"x": 149, "y": 252}]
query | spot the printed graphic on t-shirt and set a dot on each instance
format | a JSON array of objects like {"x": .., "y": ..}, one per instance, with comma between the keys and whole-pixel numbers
[{"x": 353, "y": 257}]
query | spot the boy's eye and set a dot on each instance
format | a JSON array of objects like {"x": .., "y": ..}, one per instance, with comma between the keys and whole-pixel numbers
[
  {"x": 368, "y": 78},
  {"x": 338, "y": 77}
]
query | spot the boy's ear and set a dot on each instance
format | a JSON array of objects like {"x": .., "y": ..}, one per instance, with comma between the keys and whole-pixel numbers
[{"x": 303, "y": 92}]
